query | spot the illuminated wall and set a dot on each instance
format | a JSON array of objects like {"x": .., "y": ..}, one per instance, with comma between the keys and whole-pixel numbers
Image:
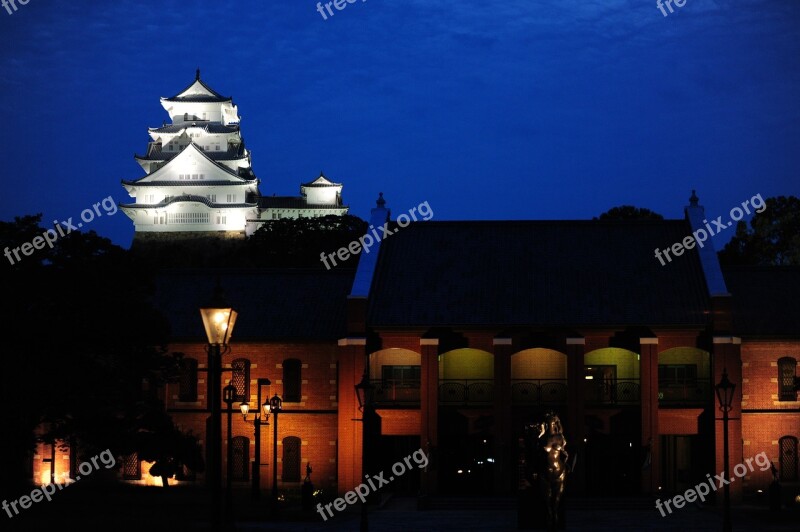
[{"x": 539, "y": 363}]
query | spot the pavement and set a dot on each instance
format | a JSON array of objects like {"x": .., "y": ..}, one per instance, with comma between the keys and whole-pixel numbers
[{"x": 401, "y": 515}]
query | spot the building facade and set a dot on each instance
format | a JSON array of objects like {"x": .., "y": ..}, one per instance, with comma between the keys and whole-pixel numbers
[
  {"x": 470, "y": 331},
  {"x": 199, "y": 178}
]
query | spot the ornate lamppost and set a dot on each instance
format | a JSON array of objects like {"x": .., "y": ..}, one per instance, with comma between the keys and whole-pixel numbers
[
  {"x": 229, "y": 395},
  {"x": 725, "y": 389},
  {"x": 218, "y": 321},
  {"x": 258, "y": 422},
  {"x": 364, "y": 394},
  {"x": 275, "y": 406}
]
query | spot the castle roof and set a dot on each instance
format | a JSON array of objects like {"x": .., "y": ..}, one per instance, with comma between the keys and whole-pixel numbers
[{"x": 198, "y": 91}]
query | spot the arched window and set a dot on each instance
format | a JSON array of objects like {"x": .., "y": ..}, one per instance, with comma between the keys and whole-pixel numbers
[
  {"x": 187, "y": 388},
  {"x": 240, "y": 378},
  {"x": 787, "y": 446},
  {"x": 291, "y": 380},
  {"x": 241, "y": 458},
  {"x": 291, "y": 459},
  {"x": 787, "y": 367}
]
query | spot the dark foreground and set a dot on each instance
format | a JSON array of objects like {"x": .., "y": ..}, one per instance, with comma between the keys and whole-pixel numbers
[{"x": 119, "y": 509}]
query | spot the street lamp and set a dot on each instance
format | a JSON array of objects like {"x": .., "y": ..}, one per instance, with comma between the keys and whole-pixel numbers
[
  {"x": 258, "y": 422},
  {"x": 364, "y": 393},
  {"x": 229, "y": 395},
  {"x": 275, "y": 406},
  {"x": 218, "y": 321},
  {"x": 725, "y": 389}
]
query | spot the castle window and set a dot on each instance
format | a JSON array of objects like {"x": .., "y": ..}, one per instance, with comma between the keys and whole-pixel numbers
[
  {"x": 240, "y": 378},
  {"x": 291, "y": 459},
  {"x": 787, "y": 367}
]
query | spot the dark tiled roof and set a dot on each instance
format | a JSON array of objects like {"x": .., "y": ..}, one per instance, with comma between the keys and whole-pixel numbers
[
  {"x": 528, "y": 273},
  {"x": 245, "y": 174},
  {"x": 208, "y": 127},
  {"x": 320, "y": 182},
  {"x": 156, "y": 154},
  {"x": 272, "y": 304},
  {"x": 766, "y": 300},
  {"x": 213, "y": 97},
  {"x": 189, "y": 197},
  {"x": 197, "y": 183},
  {"x": 290, "y": 202}
]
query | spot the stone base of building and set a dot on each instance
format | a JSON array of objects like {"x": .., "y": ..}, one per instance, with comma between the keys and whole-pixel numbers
[{"x": 184, "y": 236}]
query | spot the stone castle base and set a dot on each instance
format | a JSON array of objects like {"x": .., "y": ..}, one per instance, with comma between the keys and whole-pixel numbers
[{"x": 184, "y": 237}]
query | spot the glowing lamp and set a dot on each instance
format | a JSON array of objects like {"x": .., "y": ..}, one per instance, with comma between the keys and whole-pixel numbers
[{"x": 218, "y": 319}]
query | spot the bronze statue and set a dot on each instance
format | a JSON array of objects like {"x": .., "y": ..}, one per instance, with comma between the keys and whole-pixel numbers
[{"x": 552, "y": 470}]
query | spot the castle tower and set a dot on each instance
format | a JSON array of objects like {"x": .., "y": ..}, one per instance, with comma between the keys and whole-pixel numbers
[{"x": 199, "y": 180}]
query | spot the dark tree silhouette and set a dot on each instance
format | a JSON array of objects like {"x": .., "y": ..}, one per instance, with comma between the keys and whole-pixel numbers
[
  {"x": 773, "y": 237},
  {"x": 629, "y": 212},
  {"x": 81, "y": 341}
]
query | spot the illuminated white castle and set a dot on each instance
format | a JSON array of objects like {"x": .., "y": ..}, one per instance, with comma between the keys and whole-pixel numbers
[{"x": 199, "y": 177}]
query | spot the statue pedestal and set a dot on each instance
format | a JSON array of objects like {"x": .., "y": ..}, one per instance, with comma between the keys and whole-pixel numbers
[{"x": 532, "y": 510}]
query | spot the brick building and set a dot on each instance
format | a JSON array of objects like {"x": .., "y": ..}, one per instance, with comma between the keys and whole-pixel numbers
[{"x": 474, "y": 329}]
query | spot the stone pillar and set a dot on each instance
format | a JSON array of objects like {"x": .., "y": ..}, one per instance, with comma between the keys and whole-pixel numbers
[
  {"x": 648, "y": 385},
  {"x": 505, "y": 448},
  {"x": 429, "y": 412},
  {"x": 575, "y": 423},
  {"x": 351, "y": 368}
]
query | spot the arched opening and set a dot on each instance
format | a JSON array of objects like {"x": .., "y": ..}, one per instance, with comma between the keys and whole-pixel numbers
[
  {"x": 613, "y": 451},
  {"x": 395, "y": 375},
  {"x": 466, "y": 422},
  {"x": 539, "y": 377}
]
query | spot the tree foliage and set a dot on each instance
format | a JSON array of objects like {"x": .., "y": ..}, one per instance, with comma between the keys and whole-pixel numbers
[
  {"x": 773, "y": 237},
  {"x": 629, "y": 212},
  {"x": 82, "y": 339}
]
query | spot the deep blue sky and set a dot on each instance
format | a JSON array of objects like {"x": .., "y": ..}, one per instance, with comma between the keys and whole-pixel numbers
[{"x": 513, "y": 109}]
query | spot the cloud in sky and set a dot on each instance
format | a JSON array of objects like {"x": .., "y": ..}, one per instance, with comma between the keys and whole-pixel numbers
[{"x": 498, "y": 110}]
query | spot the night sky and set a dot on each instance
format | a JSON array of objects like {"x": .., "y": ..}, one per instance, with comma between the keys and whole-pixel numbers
[{"x": 513, "y": 109}]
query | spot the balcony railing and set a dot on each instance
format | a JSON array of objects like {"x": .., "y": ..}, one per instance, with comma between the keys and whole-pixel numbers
[
  {"x": 612, "y": 392},
  {"x": 538, "y": 391},
  {"x": 396, "y": 392},
  {"x": 466, "y": 391},
  {"x": 694, "y": 392}
]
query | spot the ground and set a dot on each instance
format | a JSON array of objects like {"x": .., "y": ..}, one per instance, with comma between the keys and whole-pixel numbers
[{"x": 118, "y": 509}]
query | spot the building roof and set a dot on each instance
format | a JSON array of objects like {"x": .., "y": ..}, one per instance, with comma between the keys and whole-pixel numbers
[
  {"x": 183, "y": 198},
  {"x": 272, "y": 304},
  {"x": 155, "y": 153},
  {"x": 321, "y": 181},
  {"x": 208, "y": 127},
  {"x": 198, "y": 91},
  {"x": 537, "y": 273},
  {"x": 765, "y": 300},
  {"x": 243, "y": 174},
  {"x": 192, "y": 183},
  {"x": 291, "y": 202}
]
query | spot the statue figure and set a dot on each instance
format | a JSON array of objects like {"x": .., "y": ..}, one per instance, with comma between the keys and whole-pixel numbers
[{"x": 552, "y": 466}]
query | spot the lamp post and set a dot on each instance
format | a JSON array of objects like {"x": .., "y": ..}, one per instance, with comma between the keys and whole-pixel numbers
[
  {"x": 364, "y": 390},
  {"x": 258, "y": 422},
  {"x": 275, "y": 406},
  {"x": 218, "y": 321},
  {"x": 228, "y": 395},
  {"x": 725, "y": 389}
]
